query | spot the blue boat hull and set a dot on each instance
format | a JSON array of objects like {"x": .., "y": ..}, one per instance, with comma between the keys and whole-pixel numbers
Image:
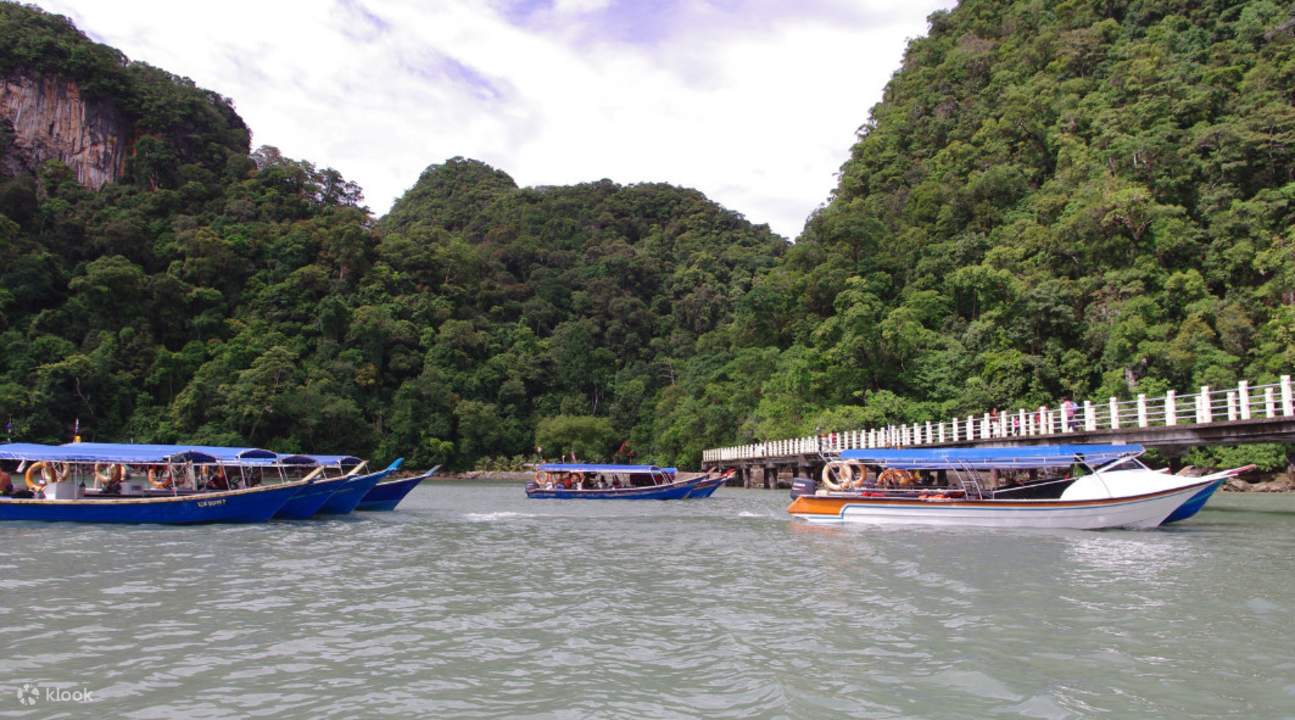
[
  {"x": 707, "y": 488},
  {"x": 251, "y": 505},
  {"x": 1193, "y": 504},
  {"x": 673, "y": 491},
  {"x": 385, "y": 496},
  {"x": 311, "y": 499},
  {"x": 352, "y": 493}
]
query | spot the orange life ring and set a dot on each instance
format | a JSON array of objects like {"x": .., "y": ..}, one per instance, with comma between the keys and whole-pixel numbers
[
  {"x": 838, "y": 476},
  {"x": 166, "y": 480},
  {"x": 47, "y": 472},
  {"x": 115, "y": 473}
]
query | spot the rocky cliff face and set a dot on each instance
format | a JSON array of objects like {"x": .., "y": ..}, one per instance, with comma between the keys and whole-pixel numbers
[{"x": 48, "y": 119}]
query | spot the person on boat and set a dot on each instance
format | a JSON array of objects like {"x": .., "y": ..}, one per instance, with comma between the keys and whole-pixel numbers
[
  {"x": 218, "y": 481},
  {"x": 6, "y": 483}
]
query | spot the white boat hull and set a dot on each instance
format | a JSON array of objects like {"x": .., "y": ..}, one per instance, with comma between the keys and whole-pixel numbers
[{"x": 1142, "y": 511}]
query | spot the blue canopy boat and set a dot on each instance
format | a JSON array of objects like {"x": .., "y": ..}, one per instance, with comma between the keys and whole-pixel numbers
[
  {"x": 336, "y": 483},
  {"x": 386, "y": 495},
  {"x": 65, "y": 483},
  {"x": 709, "y": 485},
  {"x": 564, "y": 481},
  {"x": 349, "y": 495},
  {"x": 309, "y": 501}
]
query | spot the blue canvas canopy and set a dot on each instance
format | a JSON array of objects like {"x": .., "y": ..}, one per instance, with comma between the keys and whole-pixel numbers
[
  {"x": 103, "y": 453},
  {"x": 220, "y": 453},
  {"x": 993, "y": 458},
  {"x": 574, "y": 467},
  {"x": 304, "y": 459}
]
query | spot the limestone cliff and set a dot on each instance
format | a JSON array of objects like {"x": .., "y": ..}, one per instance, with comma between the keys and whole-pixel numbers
[{"x": 46, "y": 118}]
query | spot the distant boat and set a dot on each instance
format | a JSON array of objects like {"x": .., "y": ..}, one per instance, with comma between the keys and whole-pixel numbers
[
  {"x": 61, "y": 486},
  {"x": 1059, "y": 486},
  {"x": 573, "y": 481},
  {"x": 386, "y": 495}
]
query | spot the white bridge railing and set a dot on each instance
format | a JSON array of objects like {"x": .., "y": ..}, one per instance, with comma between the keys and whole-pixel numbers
[{"x": 1244, "y": 402}]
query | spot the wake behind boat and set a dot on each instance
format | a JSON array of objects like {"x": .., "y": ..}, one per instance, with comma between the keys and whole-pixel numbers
[
  {"x": 1047, "y": 486},
  {"x": 564, "y": 481}
]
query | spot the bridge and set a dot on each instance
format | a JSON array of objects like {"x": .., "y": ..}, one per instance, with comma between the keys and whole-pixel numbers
[{"x": 1172, "y": 422}]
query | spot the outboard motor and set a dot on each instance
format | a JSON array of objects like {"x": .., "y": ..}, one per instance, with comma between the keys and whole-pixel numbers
[{"x": 803, "y": 486}]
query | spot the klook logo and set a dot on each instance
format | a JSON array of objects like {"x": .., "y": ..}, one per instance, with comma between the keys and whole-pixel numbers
[{"x": 29, "y": 694}]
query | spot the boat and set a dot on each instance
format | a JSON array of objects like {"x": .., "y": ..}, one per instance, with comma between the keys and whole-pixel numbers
[
  {"x": 386, "y": 495},
  {"x": 352, "y": 492},
  {"x": 1046, "y": 486},
  {"x": 130, "y": 484},
  {"x": 308, "y": 502},
  {"x": 710, "y": 484},
  {"x": 573, "y": 481}
]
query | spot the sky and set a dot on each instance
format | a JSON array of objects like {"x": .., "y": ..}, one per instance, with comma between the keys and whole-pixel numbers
[{"x": 753, "y": 102}]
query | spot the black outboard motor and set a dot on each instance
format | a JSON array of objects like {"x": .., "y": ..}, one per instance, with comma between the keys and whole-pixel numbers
[{"x": 803, "y": 486}]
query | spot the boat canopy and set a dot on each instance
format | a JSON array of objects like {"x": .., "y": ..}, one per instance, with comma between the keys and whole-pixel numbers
[
  {"x": 104, "y": 453},
  {"x": 993, "y": 458},
  {"x": 220, "y": 453},
  {"x": 573, "y": 467},
  {"x": 304, "y": 459}
]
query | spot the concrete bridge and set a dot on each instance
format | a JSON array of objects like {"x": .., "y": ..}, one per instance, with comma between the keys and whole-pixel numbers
[{"x": 1173, "y": 422}]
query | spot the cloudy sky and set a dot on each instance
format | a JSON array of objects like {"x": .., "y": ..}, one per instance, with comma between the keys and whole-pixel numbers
[{"x": 754, "y": 102}]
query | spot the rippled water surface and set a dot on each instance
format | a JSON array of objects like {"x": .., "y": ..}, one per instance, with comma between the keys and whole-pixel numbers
[{"x": 472, "y": 602}]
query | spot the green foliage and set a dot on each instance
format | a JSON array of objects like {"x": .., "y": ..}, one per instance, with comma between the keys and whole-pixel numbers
[
  {"x": 1053, "y": 199},
  {"x": 1073, "y": 199},
  {"x": 1266, "y": 457},
  {"x": 589, "y": 438}
]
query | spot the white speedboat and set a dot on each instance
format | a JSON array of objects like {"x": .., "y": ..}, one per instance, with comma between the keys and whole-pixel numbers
[{"x": 1085, "y": 487}]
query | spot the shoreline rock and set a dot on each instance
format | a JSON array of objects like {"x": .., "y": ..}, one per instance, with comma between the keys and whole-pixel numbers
[{"x": 1280, "y": 483}]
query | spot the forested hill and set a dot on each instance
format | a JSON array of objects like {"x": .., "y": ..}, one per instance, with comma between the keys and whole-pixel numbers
[
  {"x": 210, "y": 295},
  {"x": 1052, "y": 199}
]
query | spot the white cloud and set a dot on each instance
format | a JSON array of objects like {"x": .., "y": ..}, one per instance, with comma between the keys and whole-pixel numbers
[{"x": 756, "y": 106}]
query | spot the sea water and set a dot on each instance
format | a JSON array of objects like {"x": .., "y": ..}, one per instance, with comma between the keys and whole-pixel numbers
[{"x": 471, "y": 601}]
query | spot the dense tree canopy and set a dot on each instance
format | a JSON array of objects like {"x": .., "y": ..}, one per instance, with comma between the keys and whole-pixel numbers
[{"x": 1052, "y": 199}]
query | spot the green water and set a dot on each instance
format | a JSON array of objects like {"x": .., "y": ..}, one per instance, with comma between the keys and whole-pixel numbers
[{"x": 473, "y": 602}]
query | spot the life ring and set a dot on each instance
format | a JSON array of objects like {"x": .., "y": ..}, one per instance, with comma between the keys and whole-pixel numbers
[
  {"x": 115, "y": 473},
  {"x": 838, "y": 476},
  {"x": 47, "y": 473},
  {"x": 894, "y": 477},
  {"x": 161, "y": 481},
  {"x": 860, "y": 478}
]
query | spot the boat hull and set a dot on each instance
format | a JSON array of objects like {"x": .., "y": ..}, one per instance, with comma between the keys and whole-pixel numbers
[
  {"x": 1193, "y": 504},
  {"x": 673, "y": 491},
  {"x": 250, "y": 505},
  {"x": 386, "y": 495},
  {"x": 706, "y": 488},
  {"x": 352, "y": 493},
  {"x": 1141, "y": 511},
  {"x": 311, "y": 498}
]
